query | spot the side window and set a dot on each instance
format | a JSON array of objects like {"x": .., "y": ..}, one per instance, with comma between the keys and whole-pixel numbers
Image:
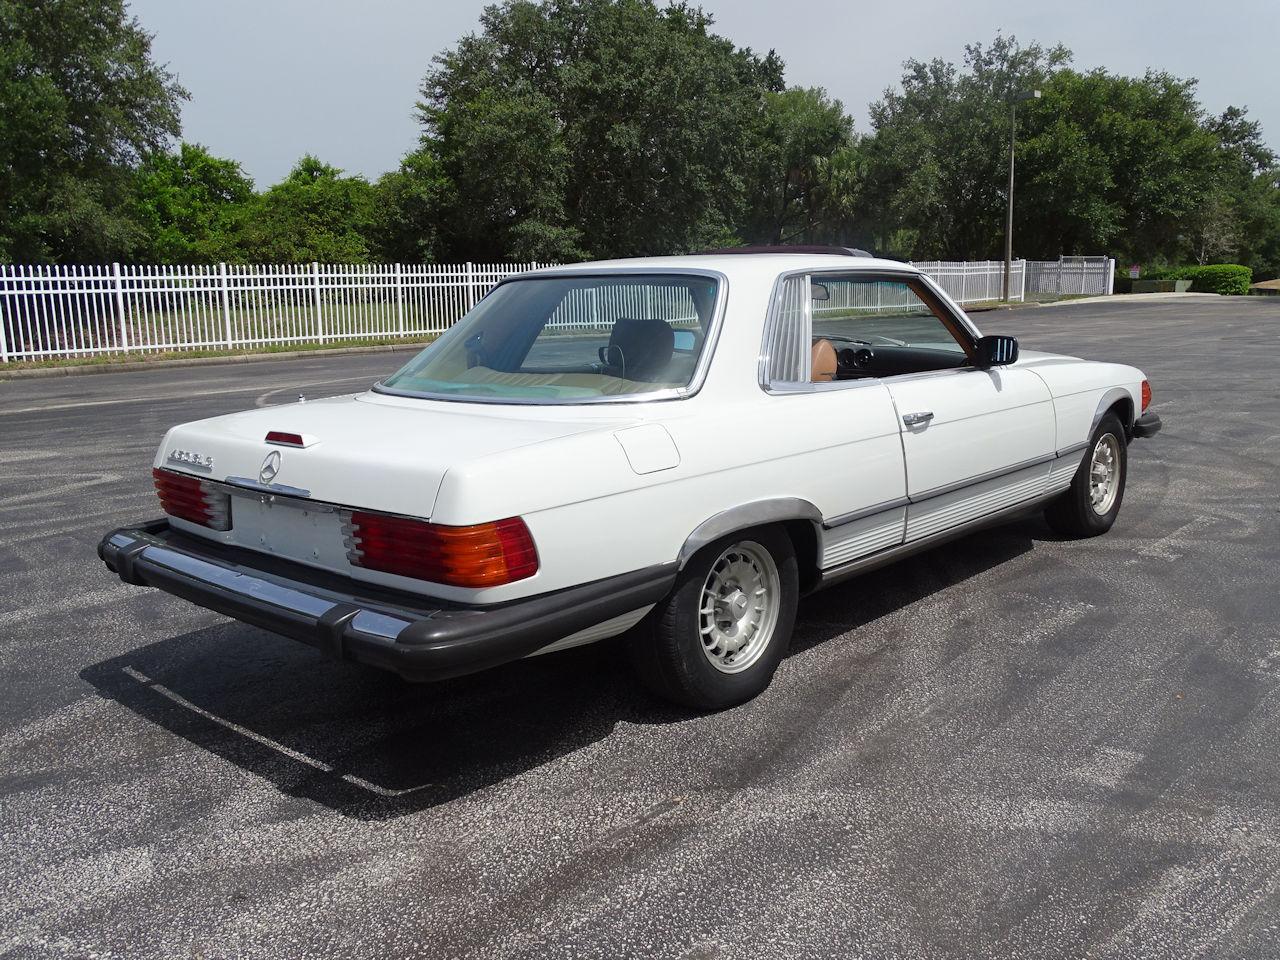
[
  {"x": 831, "y": 327},
  {"x": 786, "y": 356}
]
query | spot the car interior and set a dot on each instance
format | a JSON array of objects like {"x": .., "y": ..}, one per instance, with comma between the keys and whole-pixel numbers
[{"x": 853, "y": 340}]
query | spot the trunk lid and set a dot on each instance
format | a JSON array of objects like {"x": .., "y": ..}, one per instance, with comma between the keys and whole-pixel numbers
[{"x": 364, "y": 450}]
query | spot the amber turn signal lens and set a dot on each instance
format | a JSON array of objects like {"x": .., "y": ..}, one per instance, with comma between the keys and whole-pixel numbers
[{"x": 479, "y": 555}]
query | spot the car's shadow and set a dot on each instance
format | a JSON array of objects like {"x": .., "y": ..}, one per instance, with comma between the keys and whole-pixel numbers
[{"x": 371, "y": 746}]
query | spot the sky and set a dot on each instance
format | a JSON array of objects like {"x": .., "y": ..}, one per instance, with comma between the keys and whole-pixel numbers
[{"x": 271, "y": 80}]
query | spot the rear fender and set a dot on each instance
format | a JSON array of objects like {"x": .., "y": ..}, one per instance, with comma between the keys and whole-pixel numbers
[{"x": 748, "y": 515}]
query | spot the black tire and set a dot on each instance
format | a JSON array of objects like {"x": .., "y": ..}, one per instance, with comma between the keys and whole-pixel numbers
[
  {"x": 1074, "y": 513},
  {"x": 667, "y": 648}
]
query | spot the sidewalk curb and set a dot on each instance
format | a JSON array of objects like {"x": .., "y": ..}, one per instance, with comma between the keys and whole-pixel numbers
[
  {"x": 1017, "y": 305},
  {"x": 133, "y": 365}
]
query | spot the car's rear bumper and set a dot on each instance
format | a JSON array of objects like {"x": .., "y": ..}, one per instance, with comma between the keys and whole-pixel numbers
[
  {"x": 1147, "y": 425},
  {"x": 418, "y": 637}
]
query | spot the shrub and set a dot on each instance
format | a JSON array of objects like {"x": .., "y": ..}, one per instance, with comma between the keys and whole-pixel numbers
[{"x": 1226, "y": 278}]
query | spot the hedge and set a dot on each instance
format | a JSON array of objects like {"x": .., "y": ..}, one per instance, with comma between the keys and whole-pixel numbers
[{"x": 1227, "y": 278}]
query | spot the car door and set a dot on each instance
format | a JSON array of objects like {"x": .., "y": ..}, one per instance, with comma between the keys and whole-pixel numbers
[
  {"x": 974, "y": 440},
  {"x": 836, "y": 444}
]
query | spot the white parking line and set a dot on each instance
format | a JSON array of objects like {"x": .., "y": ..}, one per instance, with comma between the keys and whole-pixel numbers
[{"x": 258, "y": 738}]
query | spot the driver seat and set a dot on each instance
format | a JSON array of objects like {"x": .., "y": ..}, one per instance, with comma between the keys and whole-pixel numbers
[
  {"x": 822, "y": 362},
  {"x": 639, "y": 349}
]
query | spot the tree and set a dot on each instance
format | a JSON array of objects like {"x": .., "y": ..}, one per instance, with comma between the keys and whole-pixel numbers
[
  {"x": 83, "y": 102},
  {"x": 937, "y": 163},
  {"x": 408, "y": 203},
  {"x": 190, "y": 205},
  {"x": 1248, "y": 192},
  {"x": 600, "y": 127},
  {"x": 802, "y": 131},
  {"x": 314, "y": 214}
]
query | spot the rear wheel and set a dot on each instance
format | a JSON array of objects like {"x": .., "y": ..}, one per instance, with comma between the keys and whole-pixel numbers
[
  {"x": 720, "y": 634},
  {"x": 1092, "y": 503}
]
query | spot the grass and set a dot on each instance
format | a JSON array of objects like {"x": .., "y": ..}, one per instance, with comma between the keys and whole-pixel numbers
[{"x": 153, "y": 356}]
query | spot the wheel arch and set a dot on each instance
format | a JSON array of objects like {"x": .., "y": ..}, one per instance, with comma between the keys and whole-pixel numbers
[
  {"x": 1121, "y": 401},
  {"x": 799, "y": 518}
]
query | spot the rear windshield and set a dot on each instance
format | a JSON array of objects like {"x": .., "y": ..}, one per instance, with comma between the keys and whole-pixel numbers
[{"x": 569, "y": 340}]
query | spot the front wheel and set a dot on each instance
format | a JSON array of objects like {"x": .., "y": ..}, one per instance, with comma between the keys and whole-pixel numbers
[
  {"x": 1092, "y": 503},
  {"x": 718, "y": 637}
]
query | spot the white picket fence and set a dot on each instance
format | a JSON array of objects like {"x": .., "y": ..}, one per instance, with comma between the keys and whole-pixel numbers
[{"x": 70, "y": 311}]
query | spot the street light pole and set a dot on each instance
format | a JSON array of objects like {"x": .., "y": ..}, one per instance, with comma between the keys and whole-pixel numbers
[{"x": 1008, "y": 220}]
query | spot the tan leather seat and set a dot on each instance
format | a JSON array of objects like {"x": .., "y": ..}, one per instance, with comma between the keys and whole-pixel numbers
[{"x": 822, "y": 362}]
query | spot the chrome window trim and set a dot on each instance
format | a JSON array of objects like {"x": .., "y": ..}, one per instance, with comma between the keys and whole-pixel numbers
[
  {"x": 783, "y": 388},
  {"x": 700, "y": 370}
]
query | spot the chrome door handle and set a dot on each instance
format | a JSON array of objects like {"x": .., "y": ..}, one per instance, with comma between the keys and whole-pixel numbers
[{"x": 914, "y": 419}]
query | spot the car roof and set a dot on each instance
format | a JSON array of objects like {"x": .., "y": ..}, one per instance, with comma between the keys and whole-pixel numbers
[{"x": 739, "y": 263}]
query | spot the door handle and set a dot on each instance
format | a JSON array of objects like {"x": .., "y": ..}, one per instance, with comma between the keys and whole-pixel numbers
[{"x": 915, "y": 419}]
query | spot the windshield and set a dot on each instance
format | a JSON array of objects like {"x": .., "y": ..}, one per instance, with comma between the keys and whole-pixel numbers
[{"x": 569, "y": 340}]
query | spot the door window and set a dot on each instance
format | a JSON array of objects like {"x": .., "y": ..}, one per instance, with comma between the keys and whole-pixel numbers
[
  {"x": 848, "y": 327},
  {"x": 883, "y": 327}
]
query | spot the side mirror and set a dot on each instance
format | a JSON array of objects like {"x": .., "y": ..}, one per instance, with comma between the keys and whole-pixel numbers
[{"x": 997, "y": 352}]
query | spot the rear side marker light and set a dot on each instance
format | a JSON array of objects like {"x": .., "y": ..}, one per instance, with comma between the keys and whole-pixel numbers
[
  {"x": 479, "y": 555},
  {"x": 285, "y": 439},
  {"x": 192, "y": 499},
  {"x": 1146, "y": 395}
]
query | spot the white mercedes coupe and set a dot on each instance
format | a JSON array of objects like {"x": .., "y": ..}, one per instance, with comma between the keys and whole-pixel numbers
[{"x": 675, "y": 448}]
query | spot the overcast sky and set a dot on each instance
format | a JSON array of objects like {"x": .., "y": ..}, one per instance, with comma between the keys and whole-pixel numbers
[{"x": 273, "y": 79}]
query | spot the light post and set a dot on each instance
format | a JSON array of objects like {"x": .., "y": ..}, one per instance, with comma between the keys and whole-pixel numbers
[{"x": 1016, "y": 99}]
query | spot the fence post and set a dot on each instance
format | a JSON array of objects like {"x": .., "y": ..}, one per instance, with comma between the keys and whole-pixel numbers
[
  {"x": 226, "y": 301},
  {"x": 1111, "y": 276},
  {"x": 5, "y": 311},
  {"x": 315, "y": 296},
  {"x": 1022, "y": 297},
  {"x": 471, "y": 285},
  {"x": 123, "y": 341},
  {"x": 400, "y": 298}
]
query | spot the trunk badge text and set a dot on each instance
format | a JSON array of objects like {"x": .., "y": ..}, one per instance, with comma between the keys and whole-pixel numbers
[
  {"x": 191, "y": 459},
  {"x": 270, "y": 467}
]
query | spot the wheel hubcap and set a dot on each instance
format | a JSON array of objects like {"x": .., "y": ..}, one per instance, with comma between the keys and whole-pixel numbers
[
  {"x": 739, "y": 607},
  {"x": 1104, "y": 474}
]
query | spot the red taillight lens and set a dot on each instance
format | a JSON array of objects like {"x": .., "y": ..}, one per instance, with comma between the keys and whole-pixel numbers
[
  {"x": 1146, "y": 395},
  {"x": 190, "y": 498},
  {"x": 480, "y": 555},
  {"x": 287, "y": 439}
]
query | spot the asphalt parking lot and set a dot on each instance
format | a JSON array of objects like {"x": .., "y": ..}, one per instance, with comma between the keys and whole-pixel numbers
[{"x": 1008, "y": 747}]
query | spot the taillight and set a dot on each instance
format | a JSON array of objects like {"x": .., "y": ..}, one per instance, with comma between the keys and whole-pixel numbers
[
  {"x": 190, "y": 498},
  {"x": 1146, "y": 395},
  {"x": 480, "y": 555},
  {"x": 285, "y": 439}
]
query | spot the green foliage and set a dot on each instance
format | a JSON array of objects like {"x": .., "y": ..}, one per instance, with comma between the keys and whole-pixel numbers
[
  {"x": 1127, "y": 165},
  {"x": 607, "y": 127},
  {"x": 1224, "y": 278},
  {"x": 407, "y": 202},
  {"x": 314, "y": 214},
  {"x": 564, "y": 129},
  {"x": 807, "y": 170},
  {"x": 937, "y": 164},
  {"x": 190, "y": 205},
  {"x": 83, "y": 102}
]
